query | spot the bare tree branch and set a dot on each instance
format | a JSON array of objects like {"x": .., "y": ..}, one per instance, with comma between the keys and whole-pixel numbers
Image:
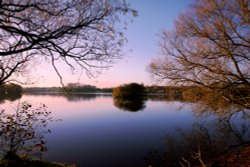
[{"x": 82, "y": 33}]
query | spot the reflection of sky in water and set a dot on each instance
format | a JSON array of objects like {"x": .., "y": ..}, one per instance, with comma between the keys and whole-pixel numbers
[{"x": 96, "y": 133}]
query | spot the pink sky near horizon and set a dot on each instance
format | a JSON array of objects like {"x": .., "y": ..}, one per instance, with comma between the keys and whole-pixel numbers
[{"x": 154, "y": 16}]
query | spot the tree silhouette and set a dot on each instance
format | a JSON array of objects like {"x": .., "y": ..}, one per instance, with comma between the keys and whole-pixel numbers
[{"x": 79, "y": 33}]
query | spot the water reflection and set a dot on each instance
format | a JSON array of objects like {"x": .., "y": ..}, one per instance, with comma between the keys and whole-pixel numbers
[
  {"x": 132, "y": 105},
  {"x": 139, "y": 104},
  {"x": 74, "y": 97},
  {"x": 216, "y": 133},
  {"x": 164, "y": 97},
  {"x": 99, "y": 134},
  {"x": 9, "y": 97},
  {"x": 125, "y": 104},
  {"x": 84, "y": 97},
  {"x": 22, "y": 132}
]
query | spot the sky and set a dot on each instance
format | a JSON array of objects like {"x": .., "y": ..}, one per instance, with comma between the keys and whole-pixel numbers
[{"x": 143, "y": 39}]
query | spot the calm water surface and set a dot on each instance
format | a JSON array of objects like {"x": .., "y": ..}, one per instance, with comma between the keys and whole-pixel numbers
[{"x": 96, "y": 133}]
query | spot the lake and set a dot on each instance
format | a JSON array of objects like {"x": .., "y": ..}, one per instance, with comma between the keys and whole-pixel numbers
[{"x": 96, "y": 131}]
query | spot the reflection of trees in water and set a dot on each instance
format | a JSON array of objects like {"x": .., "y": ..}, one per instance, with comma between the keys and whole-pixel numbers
[
  {"x": 22, "y": 133},
  {"x": 83, "y": 97},
  {"x": 10, "y": 97},
  {"x": 129, "y": 104},
  {"x": 218, "y": 134},
  {"x": 137, "y": 104},
  {"x": 92, "y": 96},
  {"x": 74, "y": 97}
]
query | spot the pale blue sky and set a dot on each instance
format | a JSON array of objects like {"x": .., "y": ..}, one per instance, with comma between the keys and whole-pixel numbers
[{"x": 154, "y": 16}]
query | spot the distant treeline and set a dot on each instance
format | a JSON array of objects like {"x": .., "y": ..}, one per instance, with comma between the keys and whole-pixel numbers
[
  {"x": 183, "y": 93},
  {"x": 42, "y": 89},
  {"x": 78, "y": 88},
  {"x": 169, "y": 93},
  {"x": 70, "y": 88}
]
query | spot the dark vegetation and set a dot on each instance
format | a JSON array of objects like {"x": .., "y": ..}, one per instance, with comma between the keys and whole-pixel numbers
[
  {"x": 129, "y": 97},
  {"x": 129, "y": 91},
  {"x": 129, "y": 104},
  {"x": 10, "y": 92},
  {"x": 11, "y": 88}
]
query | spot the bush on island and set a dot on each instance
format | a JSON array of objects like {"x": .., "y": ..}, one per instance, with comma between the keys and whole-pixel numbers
[{"x": 129, "y": 91}]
